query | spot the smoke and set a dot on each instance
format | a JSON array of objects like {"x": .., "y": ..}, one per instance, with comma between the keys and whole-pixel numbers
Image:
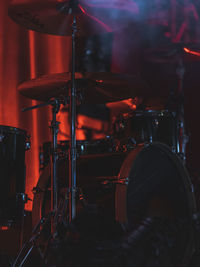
[
  {"x": 177, "y": 20},
  {"x": 116, "y": 14}
]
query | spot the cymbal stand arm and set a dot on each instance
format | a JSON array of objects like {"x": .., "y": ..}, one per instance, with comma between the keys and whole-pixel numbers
[{"x": 72, "y": 154}]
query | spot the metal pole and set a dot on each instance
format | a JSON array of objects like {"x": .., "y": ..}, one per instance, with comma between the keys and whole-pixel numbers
[
  {"x": 72, "y": 154},
  {"x": 182, "y": 137},
  {"x": 54, "y": 189}
]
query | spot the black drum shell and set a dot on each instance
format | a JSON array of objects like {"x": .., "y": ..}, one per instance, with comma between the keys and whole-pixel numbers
[
  {"x": 147, "y": 127},
  {"x": 83, "y": 147},
  {"x": 12, "y": 168}
]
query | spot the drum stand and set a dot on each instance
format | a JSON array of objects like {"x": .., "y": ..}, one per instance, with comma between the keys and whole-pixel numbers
[
  {"x": 72, "y": 163},
  {"x": 72, "y": 150},
  {"x": 54, "y": 188},
  {"x": 54, "y": 129},
  {"x": 31, "y": 244},
  {"x": 182, "y": 138}
]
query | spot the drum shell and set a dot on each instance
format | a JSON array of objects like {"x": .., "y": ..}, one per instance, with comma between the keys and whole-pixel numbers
[
  {"x": 83, "y": 147},
  {"x": 12, "y": 166},
  {"x": 147, "y": 127}
]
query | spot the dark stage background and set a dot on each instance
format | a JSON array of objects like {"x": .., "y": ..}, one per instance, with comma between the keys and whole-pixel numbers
[{"x": 27, "y": 54}]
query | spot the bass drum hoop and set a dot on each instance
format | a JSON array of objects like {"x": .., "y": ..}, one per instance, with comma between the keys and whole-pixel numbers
[
  {"x": 121, "y": 197},
  {"x": 10, "y": 129}
]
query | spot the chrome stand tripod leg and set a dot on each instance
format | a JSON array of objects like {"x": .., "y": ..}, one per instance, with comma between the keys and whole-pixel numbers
[{"x": 72, "y": 154}]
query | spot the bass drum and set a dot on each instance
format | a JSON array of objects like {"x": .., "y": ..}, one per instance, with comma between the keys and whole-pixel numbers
[{"x": 147, "y": 190}]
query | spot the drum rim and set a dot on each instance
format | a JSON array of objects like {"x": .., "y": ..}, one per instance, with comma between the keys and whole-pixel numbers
[
  {"x": 151, "y": 112},
  {"x": 185, "y": 177},
  {"x": 12, "y": 129},
  {"x": 86, "y": 142}
]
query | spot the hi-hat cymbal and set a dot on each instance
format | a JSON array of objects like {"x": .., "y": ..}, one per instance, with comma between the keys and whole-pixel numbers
[
  {"x": 56, "y": 16},
  {"x": 172, "y": 53},
  {"x": 91, "y": 87}
]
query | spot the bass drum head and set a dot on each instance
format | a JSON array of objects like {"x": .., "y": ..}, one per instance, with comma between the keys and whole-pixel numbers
[
  {"x": 143, "y": 216},
  {"x": 159, "y": 187}
]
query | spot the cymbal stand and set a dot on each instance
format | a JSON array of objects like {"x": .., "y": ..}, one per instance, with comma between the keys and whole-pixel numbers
[
  {"x": 54, "y": 190},
  {"x": 182, "y": 138},
  {"x": 72, "y": 150},
  {"x": 54, "y": 129}
]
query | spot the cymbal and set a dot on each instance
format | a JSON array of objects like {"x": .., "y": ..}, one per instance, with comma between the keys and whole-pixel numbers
[
  {"x": 92, "y": 88},
  {"x": 56, "y": 17},
  {"x": 172, "y": 53}
]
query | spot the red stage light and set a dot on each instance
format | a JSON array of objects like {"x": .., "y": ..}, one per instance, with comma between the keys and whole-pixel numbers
[
  {"x": 4, "y": 228},
  {"x": 191, "y": 51}
]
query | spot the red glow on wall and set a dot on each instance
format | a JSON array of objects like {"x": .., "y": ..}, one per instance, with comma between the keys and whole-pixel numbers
[
  {"x": 34, "y": 167},
  {"x": 4, "y": 228}
]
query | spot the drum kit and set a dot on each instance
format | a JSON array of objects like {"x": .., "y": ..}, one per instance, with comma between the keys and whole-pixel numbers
[{"x": 136, "y": 177}]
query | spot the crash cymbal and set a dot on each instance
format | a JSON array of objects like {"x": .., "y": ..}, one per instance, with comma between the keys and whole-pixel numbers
[
  {"x": 53, "y": 17},
  {"x": 47, "y": 86},
  {"x": 56, "y": 16},
  {"x": 91, "y": 87},
  {"x": 172, "y": 53}
]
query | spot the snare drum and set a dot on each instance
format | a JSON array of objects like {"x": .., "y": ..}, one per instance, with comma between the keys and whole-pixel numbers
[
  {"x": 148, "y": 126},
  {"x": 13, "y": 143}
]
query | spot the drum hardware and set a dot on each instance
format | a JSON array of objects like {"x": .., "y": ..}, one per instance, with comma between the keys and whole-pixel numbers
[
  {"x": 124, "y": 145},
  {"x": 113, "y": 180},
  {"x": 177, "y": 53},
  {"x": 72, "y": 148},
  {"x": 32, "y": 242},
  {"x": 27, "y": 143},
  {"x": 144, "y": 167},
  {"x": 183, "y": 138},
  {"x": 34, "y": 23},
  {"x": 54, "y": 129},
  {"x": 12, "y": 185},
  {"x": 13, "y": 145},
  {"x": 38, "y": 190},
  {"x": 146, "y": 126},
  {"x": 22, "y": 197}
]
